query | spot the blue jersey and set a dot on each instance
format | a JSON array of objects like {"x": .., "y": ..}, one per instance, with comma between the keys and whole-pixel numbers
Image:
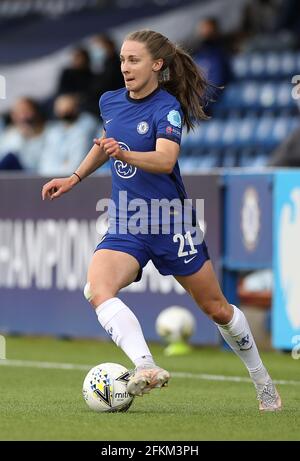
[{"x": 136, "y": 124}]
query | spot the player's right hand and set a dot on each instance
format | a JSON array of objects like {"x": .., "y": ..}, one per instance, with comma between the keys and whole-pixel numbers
[{"x": 56, "y": 187}]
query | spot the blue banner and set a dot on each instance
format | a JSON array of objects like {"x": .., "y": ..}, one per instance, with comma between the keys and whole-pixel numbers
[
  {"x": 45, "y": 250},
  {"x": 248, "y": 221},
  {"x": 286, "y": 299}
]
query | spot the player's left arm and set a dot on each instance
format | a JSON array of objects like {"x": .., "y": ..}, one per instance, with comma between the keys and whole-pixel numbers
[{"x": 162, "y": 160}]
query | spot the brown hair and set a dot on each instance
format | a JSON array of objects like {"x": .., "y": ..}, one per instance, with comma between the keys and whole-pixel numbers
[{"x": 179, "y": 74}]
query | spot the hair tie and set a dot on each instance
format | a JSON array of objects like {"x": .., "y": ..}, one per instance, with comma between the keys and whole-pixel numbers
[{"x": 165, "y": 74}]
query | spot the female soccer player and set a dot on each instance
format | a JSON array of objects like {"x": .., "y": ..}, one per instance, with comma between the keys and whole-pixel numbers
[{"x": 142, "y": 133}]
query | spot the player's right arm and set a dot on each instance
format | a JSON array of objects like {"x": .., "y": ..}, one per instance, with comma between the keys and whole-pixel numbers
[{"x": 58, "y": 186}]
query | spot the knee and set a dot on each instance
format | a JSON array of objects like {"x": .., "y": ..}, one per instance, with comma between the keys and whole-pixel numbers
[
  {"x": 218, "y": 310},
  {"x": 88, "y": 292},
  {"x": 97, "y": 294}
]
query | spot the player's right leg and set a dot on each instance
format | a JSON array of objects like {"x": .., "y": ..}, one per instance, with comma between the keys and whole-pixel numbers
[{"x": 110, "y": 271}]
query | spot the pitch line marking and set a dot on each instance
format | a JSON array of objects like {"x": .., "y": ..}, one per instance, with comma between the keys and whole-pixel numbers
[{"x": 175, "y": 374}]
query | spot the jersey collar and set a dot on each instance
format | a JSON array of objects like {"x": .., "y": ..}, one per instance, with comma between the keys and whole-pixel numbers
[{"x": 138, "y": 101}]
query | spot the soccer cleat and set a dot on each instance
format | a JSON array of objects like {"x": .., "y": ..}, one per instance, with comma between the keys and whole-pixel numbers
[
  {"x": 144, "y": 379},
  {"x": 268, "y": 397}
]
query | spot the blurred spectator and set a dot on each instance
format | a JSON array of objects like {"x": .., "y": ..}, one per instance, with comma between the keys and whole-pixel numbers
[
  {"x": 2, "y": 124},
  {"x": 22, "y": 142},
  {"x": 287, "y": 153},
  {"x": 106, "y": 66},
  {"x": 208, "y": 51},
  {"x": 97, "y": 50},
  {"x": 270, "y": 16},
  {"x": 78, "y": 78},
  {"x": 286, "y": 17},
  {"x": 68, "y": 139},
  {"x": 269, "y": 25},
  {"x": 260, "y": 16}
]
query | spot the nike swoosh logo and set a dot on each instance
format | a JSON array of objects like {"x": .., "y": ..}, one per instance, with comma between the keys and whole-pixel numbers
[
  {"x": 107, "y": 121},
  {"x": 186, "y": 261}
]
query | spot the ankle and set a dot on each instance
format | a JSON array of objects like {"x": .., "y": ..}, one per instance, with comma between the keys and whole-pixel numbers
[
  {"x": 259, "y": 376},
  {"x": 146, "y": 361}
]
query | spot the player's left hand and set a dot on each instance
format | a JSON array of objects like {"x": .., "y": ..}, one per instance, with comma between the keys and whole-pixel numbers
[{"x": 112, "y": 148}]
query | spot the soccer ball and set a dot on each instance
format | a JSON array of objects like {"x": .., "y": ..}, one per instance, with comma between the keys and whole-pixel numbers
[
  {"x": 175, "y": 324},
  {"x": 105, "y": 388}
]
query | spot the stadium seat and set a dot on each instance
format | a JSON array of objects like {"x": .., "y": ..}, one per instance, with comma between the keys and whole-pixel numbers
[
  {"x": 269, "y": 65},
  {"x": 229, "y": 133},
  {"x": 189, "y": 164},
  {"x": 212, "y": 134},
  {"x": 253, "y": 115},
  {"x": 246, "y": 131},
  {"x": 229, "y": 158}
]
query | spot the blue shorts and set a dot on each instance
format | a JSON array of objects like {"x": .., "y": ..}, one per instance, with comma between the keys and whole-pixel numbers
[{"x": 171, "y": 254}]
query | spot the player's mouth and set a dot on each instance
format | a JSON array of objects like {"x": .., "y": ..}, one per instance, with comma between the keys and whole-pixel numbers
[{"x": 128, "y": 80}]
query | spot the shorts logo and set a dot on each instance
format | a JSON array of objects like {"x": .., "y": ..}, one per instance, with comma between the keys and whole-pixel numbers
[
  {"x": 124, "y": 170},
  {"x": 186, "y": 261},
  {"x": 174, "y": 118},
  {"x": 142, "y": 128}
]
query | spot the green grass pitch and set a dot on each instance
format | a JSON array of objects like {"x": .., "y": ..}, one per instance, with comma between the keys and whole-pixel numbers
[{"x": 39, "y": 403}]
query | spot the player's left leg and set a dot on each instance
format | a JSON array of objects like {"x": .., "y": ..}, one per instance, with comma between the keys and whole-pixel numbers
[{"x": 203, "y": 286}]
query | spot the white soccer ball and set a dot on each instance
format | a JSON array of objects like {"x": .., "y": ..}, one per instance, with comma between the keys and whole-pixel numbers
[
  {"x": 175, "y": 324},
  {"x": 105, "y": 388}
]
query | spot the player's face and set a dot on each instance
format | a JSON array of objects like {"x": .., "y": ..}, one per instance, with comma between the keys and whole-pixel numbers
[{"x": 139, "y": 70}]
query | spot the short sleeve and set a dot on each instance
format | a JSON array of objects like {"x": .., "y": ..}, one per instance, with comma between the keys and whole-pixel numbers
[
  {"x": 169, "y": 123},
  {"x": 102, "y": 104}
]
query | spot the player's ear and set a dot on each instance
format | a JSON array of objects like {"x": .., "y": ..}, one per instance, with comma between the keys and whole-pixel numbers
[{"x": 157, "y": 65}]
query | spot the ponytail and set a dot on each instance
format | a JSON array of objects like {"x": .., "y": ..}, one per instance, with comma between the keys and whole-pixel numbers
[{"x": 187, "y": 83}]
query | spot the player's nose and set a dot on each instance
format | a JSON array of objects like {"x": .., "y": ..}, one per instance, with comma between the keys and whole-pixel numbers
[{"x": 124, "y": 67}]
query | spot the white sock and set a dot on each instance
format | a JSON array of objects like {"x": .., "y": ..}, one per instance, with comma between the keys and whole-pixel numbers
[
  {"x": 125, "y": 330},
  {"x": 238, "y": 335}
]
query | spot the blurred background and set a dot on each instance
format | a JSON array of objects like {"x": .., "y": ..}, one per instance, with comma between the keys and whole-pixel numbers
[{"x": 56, "y": 59}]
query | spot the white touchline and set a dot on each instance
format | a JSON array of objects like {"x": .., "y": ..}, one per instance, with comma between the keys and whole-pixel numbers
[{"x": 174, "y": 374}]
